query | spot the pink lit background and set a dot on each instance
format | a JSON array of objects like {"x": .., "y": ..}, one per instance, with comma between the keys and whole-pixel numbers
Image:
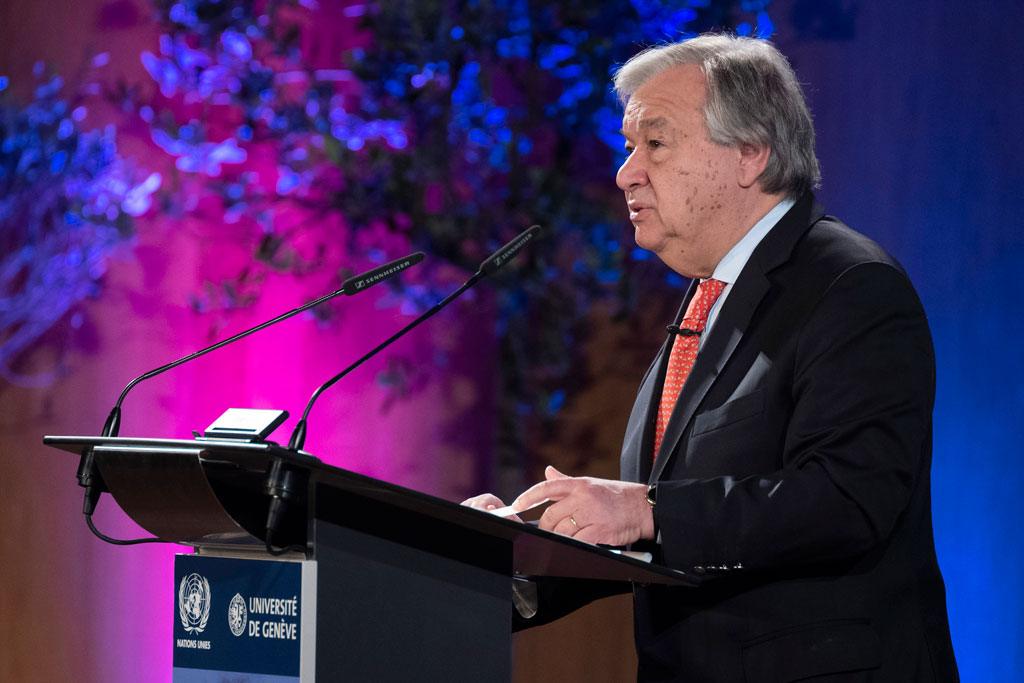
[{"x": 78, "y": 609}]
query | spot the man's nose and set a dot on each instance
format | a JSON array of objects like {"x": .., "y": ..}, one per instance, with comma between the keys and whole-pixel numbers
[{"x": 631, "y": 174}]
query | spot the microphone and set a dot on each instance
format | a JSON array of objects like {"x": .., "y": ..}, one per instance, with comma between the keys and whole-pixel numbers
[
  {"x": 682, "y": 331},
  {"x": 90, "y": 478},
  {"x": 489, "y": 266},
  {"x": 358, "y": 283},
  {"x": 496, "y": 260}
]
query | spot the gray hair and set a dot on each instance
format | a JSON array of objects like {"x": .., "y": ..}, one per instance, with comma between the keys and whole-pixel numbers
[{"x": 753, "y": 97}]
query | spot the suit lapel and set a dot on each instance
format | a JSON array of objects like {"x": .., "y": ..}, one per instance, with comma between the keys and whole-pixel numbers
[
  {"x": 732, "y": 323},
  {"x": 635, "y": 462},
  {"x": 632, "y": 464}
]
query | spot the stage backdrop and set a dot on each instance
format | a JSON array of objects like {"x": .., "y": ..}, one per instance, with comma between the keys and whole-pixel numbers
[{"x": 916, "y": 106}]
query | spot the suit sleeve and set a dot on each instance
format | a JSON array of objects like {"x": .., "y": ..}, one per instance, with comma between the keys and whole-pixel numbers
[{"x": 856, "y": 443}]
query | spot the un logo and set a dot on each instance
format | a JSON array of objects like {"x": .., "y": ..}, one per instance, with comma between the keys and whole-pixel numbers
[
  {"x": 194, "y": 603},
  {"x": 237, "y": 615}
]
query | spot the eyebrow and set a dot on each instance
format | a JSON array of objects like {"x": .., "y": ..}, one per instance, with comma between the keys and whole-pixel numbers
[{"x": 656, "y": 122}]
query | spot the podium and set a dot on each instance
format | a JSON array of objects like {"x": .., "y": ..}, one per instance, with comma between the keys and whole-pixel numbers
[{"x": 396, "y": 585}]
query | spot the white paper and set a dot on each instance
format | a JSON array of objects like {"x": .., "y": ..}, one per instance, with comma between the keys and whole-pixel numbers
[
  {"x": 507, "y": 510},
  {"x": 643, "y": 557}
]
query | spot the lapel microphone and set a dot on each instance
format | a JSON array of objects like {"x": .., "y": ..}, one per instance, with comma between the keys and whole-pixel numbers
[{"x": 682, "y": 331}]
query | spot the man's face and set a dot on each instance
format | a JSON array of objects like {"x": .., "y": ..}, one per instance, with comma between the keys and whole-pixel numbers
[{"x": 680, "y": 187}]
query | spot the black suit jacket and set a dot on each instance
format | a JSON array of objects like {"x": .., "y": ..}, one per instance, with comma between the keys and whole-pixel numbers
[{"x": 794, "y": 476}]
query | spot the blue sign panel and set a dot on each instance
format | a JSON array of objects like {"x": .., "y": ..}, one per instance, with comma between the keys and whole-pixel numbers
[{"x": 242, "y": 617}]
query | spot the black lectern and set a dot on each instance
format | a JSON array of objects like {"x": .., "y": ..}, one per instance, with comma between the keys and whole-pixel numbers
[{"x": 397, "y": 585}]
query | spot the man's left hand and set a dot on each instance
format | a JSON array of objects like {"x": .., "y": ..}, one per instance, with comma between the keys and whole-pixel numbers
[{"x": 591, "y": 510}]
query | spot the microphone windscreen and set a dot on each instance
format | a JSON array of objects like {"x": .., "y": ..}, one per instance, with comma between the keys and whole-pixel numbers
[
  {"x": 503, "y": 255},
  {"x": 358, "y": 283}
]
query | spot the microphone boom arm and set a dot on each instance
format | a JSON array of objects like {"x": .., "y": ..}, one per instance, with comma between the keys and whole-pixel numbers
[{"x": 299, "y": 435}]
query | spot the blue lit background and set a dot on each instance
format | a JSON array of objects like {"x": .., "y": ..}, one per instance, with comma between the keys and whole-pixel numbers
[{"x": 917, "y": 107}]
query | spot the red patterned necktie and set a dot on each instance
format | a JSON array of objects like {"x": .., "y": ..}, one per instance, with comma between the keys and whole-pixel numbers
[{"x": 684, "y": 352}]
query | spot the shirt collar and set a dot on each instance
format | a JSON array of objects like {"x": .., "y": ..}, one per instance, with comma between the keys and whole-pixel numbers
[{"x": 729, "y": 268}]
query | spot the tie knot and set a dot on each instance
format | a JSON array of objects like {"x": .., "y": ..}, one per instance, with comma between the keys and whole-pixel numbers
[{"x": 700, "y": 305}]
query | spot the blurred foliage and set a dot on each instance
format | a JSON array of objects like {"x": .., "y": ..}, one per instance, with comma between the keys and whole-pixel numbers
[
  {"x": 445, "y": 126},
  {"x": 67, "y": 201},
  {"x": 454, "y": 125}
]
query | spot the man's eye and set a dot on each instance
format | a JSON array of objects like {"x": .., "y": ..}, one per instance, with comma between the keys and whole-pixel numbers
[
  {"x": 654, "y": 144},
  {"x": 629, "y": 149}
]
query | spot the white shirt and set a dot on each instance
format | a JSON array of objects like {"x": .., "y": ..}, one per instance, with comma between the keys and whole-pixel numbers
[{"x": 729, "y": 268}]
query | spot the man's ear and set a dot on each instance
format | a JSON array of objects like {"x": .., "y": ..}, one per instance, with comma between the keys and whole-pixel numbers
[{"x": 753, "y": 161}]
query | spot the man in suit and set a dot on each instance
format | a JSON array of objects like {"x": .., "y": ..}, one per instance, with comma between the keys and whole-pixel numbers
[{"x": 780, "y": 443}]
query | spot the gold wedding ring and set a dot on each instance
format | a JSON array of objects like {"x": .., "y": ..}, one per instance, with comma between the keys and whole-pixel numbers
[{"x": 574, "y": 523}]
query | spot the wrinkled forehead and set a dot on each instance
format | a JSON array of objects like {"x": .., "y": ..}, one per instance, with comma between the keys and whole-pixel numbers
[
  {"x": 641, "y": 119},
  {"x": 675, "y": 96},
  {"x": 645, "y": 117}
]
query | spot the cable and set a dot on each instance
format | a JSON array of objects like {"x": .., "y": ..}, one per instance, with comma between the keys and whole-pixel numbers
[
  {"x": 285, "y": 550},
  {"x": 134, "y": 541}
]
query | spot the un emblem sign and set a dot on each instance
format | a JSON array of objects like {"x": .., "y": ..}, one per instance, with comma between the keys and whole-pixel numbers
[
  {"x": 238, "y": 615},
  {"x": 194, "y": 603}
]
